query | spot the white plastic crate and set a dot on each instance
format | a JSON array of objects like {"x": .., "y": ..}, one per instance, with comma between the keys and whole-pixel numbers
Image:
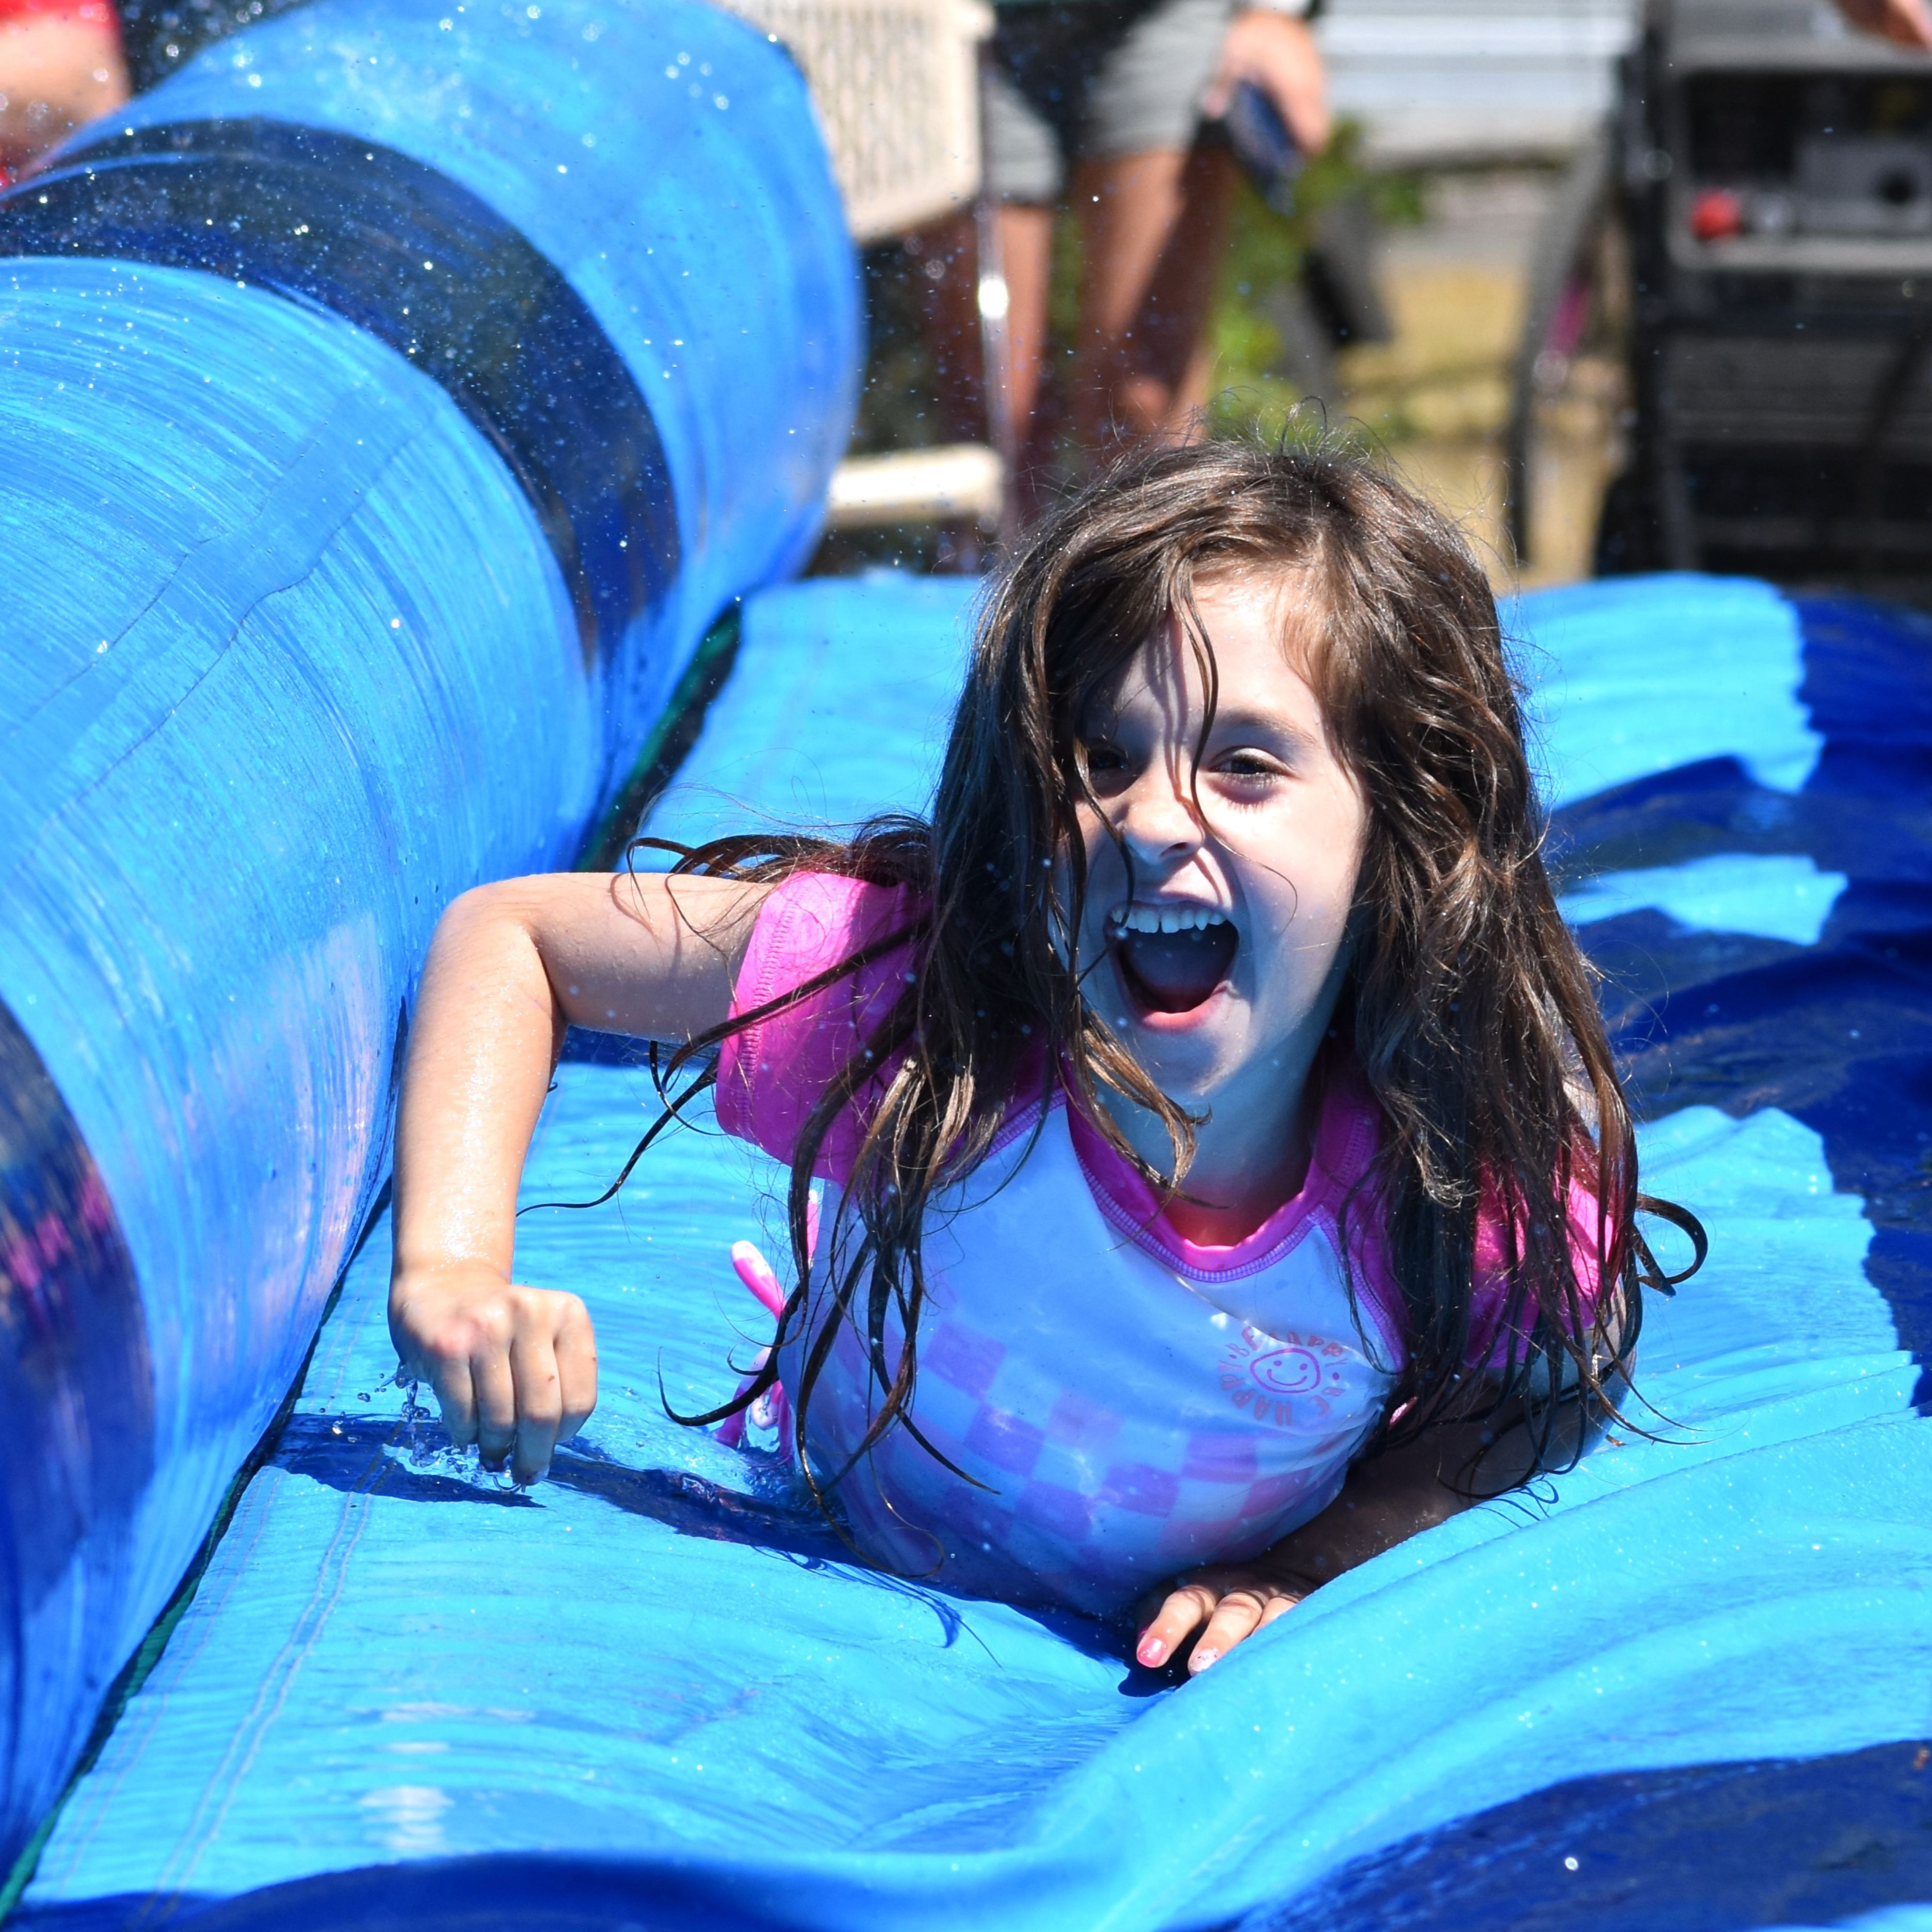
[{"x": 896, "y": 86}]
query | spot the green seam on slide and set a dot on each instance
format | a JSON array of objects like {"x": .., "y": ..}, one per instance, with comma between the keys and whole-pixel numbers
[{"x": 670, "y": 740}]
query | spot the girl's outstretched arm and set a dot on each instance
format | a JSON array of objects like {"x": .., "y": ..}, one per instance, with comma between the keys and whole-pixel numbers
[{"x": 512, "y": 965}]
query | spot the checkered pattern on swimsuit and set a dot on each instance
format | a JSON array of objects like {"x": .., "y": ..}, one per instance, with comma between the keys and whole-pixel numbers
[{"x": 1075, "y": 1479}]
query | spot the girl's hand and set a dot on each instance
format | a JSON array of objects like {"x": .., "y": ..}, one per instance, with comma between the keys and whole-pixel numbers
[
  {"x": 513, "y": 966},
  {"x": 1232, "y": 1603},
  {"x": 1279, "y": 55},
  {"x": 1385, "y": 1500},
  {"x": 515, "y": 1369}
]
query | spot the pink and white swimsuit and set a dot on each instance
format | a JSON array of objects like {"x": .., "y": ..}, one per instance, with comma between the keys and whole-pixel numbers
[{"x": 1135, "y": 1404}]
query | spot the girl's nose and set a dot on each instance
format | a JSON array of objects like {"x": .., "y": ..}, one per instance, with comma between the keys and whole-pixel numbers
[{"x": 1157, "y": 816}]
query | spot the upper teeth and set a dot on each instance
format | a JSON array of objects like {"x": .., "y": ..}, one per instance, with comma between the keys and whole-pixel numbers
[{"x": 1165, "y": 918}]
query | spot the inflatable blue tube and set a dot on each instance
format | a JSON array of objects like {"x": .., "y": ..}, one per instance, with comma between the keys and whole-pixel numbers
[
  {"x": 388, "y": 403},
  {"x": 1679, "y": 1688}
]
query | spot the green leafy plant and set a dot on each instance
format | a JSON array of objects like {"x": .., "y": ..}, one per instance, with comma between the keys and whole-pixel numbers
[{"x": 1265, "y": 253}]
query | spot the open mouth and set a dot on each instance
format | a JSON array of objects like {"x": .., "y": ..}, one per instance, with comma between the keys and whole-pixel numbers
[{"x": 1172, "y": 959}]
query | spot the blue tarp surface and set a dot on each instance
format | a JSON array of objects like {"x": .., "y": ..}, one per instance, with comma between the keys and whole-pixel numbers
[
  {"x": 287, "y": 660},
  {"x": 1682, "y": 1686}
]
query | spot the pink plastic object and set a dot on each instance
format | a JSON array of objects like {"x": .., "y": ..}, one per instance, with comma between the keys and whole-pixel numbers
[
  {"x": 755, "y": 1272},
  {"x": 771, "y": 1410}
]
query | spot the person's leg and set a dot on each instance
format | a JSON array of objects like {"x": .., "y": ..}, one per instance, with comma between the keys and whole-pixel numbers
[
  {"x": 1152, "y": 202},
  {"x": 1152, "y": 225},
  {"x": 1126, "y": 80},
  {"x": 1026, "y": 259},
  {"x": 954, "y": 336},
  {"x": 948, "y": 254},
  {"x": 1034, "y": 86}
]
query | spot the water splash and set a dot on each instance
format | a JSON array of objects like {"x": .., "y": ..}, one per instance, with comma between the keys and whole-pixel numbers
[{"x": 422, "y": 1444}]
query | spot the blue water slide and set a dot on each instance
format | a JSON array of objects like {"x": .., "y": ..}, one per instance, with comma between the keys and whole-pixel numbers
[
  {"x": 389, "y": 404},
  {"x": 1681, "y": 1688}
]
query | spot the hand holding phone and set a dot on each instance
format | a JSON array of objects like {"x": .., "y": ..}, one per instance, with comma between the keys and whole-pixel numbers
[{"x": 1263, "y": 145}]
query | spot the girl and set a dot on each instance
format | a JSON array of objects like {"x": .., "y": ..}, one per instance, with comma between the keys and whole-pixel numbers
[{"x": 1224, "y": 1155}]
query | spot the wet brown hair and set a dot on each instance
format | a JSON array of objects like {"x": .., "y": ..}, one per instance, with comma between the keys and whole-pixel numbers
[{"x": 1471, "y": 1009}]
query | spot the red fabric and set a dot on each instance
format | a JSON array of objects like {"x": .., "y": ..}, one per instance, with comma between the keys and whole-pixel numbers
[{"x": 96, "y": 13}]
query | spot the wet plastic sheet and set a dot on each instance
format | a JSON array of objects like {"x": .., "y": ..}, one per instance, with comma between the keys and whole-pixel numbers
[
  {"x": 289, "y": 656},
  {"x": 649, "y": 1693}
]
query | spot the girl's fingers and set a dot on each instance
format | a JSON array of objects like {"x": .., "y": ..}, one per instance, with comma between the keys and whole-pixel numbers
[
  {"x": 496, "y": 1405},
  {"x": 1237, "y": 1615},
  {"x": 455, "y": 1396},
  {"x": 1232, "y": 1605},
  {"x": 515, "y": 1369},
  {"x": 1181, "y": 1611},
  {"x": 539, "y": 1403},
  {"x": 576, "y": 1368}
]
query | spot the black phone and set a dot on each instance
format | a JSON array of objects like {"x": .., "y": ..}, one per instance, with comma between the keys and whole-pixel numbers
[{"x": 1263, "y": 145}]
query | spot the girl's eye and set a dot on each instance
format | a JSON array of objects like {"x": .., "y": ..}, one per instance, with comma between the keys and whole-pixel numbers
[
  {"x": 1250, "y": 768},
  {"x": 1105, "y": 758}
]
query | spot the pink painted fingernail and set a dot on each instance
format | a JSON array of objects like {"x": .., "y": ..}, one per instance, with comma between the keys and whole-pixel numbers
[
  {"x": 1202, "y": 1658},
  {"x": 1152, "y": 1652}
]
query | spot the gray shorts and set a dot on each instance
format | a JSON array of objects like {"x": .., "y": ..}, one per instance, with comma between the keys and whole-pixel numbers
[{"x": 1088, "y": 79}]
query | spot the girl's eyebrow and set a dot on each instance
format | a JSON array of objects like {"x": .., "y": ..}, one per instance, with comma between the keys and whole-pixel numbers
[{"x": 1239, "y": 720}]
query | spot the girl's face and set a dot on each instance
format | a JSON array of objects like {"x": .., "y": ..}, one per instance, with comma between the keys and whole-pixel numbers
[{"x": 1220, "y": 953}]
